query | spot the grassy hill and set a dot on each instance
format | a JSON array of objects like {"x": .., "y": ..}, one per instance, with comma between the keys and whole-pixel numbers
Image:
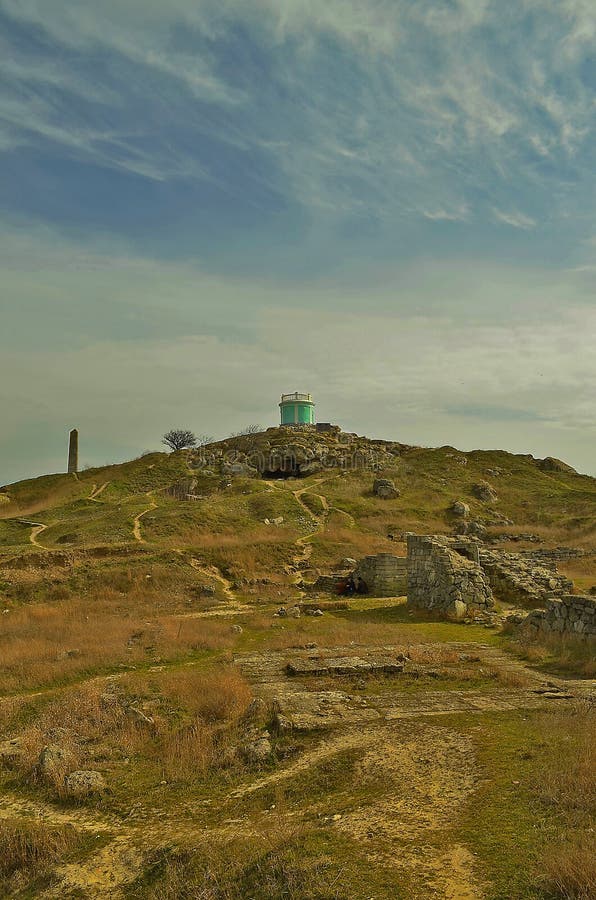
[{"x": 140, "y": 640}]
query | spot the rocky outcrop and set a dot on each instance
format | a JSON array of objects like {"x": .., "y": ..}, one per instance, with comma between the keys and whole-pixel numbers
[
  {"x": 385, "y": 489},
  {"x": 484, "y": 491},
  {"x": 285, "y": 452},
  {"x": 552, "y": 464},
  {"x": 569, "y": 614},
  {"x": 442, "y": 580}
]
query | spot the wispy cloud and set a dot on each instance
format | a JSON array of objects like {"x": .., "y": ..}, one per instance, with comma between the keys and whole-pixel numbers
[
  {"x": 382, "y": 108},
  {"x": 515, "y": 219}
]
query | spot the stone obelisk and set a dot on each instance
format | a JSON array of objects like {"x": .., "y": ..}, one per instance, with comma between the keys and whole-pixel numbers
[{"x": 73, "y": 452}]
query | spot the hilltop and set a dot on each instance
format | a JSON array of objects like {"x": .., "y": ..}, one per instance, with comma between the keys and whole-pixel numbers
[{"x": 182, "y": 715}]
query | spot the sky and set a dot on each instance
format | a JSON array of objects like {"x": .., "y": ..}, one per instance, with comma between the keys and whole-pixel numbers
[{"x": 387, "y": 203}]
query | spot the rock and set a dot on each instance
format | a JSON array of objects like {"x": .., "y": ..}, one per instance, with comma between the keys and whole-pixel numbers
[
  {"x": 83, "y": 783},
  {"x": 236, "y": 629},
  {"x": 11, "y": 753},
  {"x": 53, "y": 760},
  {"x": 484, "y": 491},
  {"x": 294, "y": 612},
  {"x": 279, "y": 520},
  {"x": 385, "y": 489},
  {"x": 282, "y": 612},
  {"x": 552, "y": 464},
  {"x": 458, "y": 610},
  {"x": 258, "y": 710},
  {"x": 348, "y": 563},
  {"x": 259, "y": 750},
  {"x": 460, "y": 509},
  {"x": 138, "y": 716}
]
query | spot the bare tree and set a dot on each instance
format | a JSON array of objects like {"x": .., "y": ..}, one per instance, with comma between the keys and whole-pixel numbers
[
  {"x": 179, "y": 439},
  {"x": 250, "y": 429},
  {"x": 203, "y": 439}
]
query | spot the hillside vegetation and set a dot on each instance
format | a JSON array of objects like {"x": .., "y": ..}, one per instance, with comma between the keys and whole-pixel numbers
[{"x": 154, "y": 743}]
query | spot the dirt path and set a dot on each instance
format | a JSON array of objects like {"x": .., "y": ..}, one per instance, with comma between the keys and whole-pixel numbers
[
  {"x": 36, "y": 529},
  {"x": 136, "y": 528},
  {"x": 96, "y": 491},
  {"x": 303, "y": 543}
]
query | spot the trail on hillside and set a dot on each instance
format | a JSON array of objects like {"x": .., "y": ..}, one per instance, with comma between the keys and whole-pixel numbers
[
  {"x": 96, "y": 491},
  {"x": 136, "y": 529},
  {"x": 303, "y": 543},
  {"x": 36, "y": 529}
]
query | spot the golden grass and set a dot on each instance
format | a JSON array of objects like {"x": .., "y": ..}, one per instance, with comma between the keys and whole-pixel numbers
[
  {"x": 43, "y": 644},
  {"x": 566, "y": 653},
  {"x": 567, "y": 784},
  {"x": 32, "y": 847}
]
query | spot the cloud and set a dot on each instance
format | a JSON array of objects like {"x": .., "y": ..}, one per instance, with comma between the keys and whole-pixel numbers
[
  {"x": 124, "y": 347},
  {"x": 382, "y": 108},
  {"x": 515, "y": 219}
]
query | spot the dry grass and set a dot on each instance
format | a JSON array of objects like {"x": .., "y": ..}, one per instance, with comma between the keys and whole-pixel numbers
[
  {"x": 331, "y": 631},
  {"x": 45, "y": 644},
  {"x": 32, "y": 847},
  {"x": 566, "y": 653},
  {"x": 277, "y": 863},
  {"x": 569, "y": 869},
  {"x": 187, "y": 724},
  {"x": 567, "y": 785},
  {"x": 218, "y": 701}
]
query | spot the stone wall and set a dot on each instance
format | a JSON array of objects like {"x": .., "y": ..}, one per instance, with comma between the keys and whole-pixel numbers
[
  {"x": 441, "y": 579},
  {"x": 523, "y": 579},
  {"x": 383, "y": 575},
  {"x": 567, "y": 615}
]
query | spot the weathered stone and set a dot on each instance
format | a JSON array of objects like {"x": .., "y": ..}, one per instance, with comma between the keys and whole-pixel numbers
[
  {"x": 484, "y": 491},
  {"x": 53, "y": 760},
  {"x": 346, "y": 665},
  {"x": 444, "y": 575},
  {"x": 382, "y": 575},
  {"x": 83, "y": 783},
  {"x": 460, "y": 509},
  {"x": 385, "y": 489}
]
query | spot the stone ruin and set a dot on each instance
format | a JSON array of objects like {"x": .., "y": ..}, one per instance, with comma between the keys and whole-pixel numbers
[
  {"x": 570, "y": 614},
  {"x": 459, "y": 578},
  {"x": 524, "y": 580},
  {"x": 444, "y": 576},
  {"x": 382, "y": 575},
  {"x": 379, "y": 575}
]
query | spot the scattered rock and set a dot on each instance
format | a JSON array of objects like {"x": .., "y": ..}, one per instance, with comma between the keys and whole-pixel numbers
[
  {"x": 236, "y": 629},
  {"x": 83, "y": 783},
  {"x": 258, "y": 750},
  {"x": 484, "y": 491},
  {"x": 460, "y": 509},
  {"x": 348, "y": 563},
  {"x": 53, "y": 760},
  {"x": 385, "y": 489},
  {"x": 138, "y": 716},
  {"x": 11, "y": 753}
]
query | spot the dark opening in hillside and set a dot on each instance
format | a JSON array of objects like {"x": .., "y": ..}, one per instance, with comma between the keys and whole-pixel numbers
[{"x": 290, "y": 471}]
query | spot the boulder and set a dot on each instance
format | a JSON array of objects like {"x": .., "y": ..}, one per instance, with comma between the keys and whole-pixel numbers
[
  {"x": 385, "y": 489},
  {"x": 460, "y": 509},
  {"x": 484, "y": 491},
  {"x": 83, "y": 783},
  {"x": 258, "y": 750},
  {"x": 53, "y": 760}
]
